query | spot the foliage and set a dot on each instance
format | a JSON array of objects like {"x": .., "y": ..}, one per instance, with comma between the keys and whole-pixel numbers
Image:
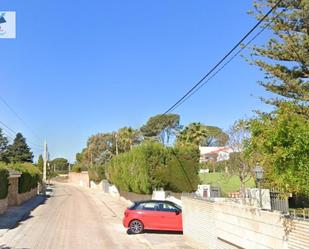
[
  {"x": 128, "y": 137},
  {"x": 280, "y": 141},
  {"x": 201, "y": 135},
  {"x": 19, "y": 151},
  {"x": 181, "y": 173},
  {"x": 29, "y": 178},
  {"x": 226, "y": 182},
  {"x": 76, "y": 168},
  {"x": 4, "y": 181},
  {"x": 161, "y": 127},
  {"x": 60, "y": 165},
  {"x": 285, "y": 57},
  {"x": 151, "y": 166},
  {"x": 239, "y": 163},
  {"x": 3, "y": 147},
  {"x": 96, "y": 173},
  {"x": 40, "y": 163}
]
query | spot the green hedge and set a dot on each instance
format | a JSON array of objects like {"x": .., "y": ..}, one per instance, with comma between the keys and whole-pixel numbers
[
  {"x": 96, "y": 173},
  {"x": 151, "y": 165},
  {"x": 29, "y": 178},
  {"x": 4, "y": 181}
]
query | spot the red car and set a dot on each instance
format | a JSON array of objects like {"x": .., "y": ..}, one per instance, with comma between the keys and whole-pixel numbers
[{"x": 153, "y": 215}]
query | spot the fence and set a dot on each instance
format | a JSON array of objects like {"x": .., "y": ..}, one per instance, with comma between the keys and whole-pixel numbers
[{"x": 278, "y": 203}]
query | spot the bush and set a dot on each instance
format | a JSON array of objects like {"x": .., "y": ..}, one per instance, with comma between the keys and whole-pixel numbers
[
  {"x": 30, "y": 176},
  {"x": 76, "y": 168},
  {"x": 4, "y": 181},
  {"x": 151, "y": 165},
  {"x": 96, "y": 173}
]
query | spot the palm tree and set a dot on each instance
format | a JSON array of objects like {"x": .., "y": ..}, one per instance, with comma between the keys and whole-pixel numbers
[{"x": 195, "y": 133}]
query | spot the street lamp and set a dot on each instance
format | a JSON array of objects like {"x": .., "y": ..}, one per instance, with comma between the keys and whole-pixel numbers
[{"x": 259, "y": 172}]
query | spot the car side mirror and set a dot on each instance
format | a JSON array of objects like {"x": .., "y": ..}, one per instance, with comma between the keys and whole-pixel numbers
[{"x": 177, "y": 212}]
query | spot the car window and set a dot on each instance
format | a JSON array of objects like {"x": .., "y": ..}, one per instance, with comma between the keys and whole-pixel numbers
[
  {"x": 150, "y": 206},
  {"x": 165, "y": 207}
]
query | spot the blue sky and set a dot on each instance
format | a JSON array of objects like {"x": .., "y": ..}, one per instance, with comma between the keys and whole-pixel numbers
[{"x": 81, "y": 67}]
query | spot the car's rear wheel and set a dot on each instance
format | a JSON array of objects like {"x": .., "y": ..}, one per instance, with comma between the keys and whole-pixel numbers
[{"x": 136, "y": 226}]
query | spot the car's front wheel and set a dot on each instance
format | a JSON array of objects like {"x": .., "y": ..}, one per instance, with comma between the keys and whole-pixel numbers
[{"x": 136, "y": 226}]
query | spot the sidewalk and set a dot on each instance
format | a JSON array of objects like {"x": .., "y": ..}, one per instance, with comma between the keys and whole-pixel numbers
[
  {"x": 155, "y": 240},
  {"x": 15, "y": 214}
]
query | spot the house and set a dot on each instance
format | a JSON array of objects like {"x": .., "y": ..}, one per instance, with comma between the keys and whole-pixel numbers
[{"x": 216, "y": 154}]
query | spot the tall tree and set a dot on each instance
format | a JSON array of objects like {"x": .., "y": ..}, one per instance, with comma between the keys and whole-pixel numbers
[
  {"x": 60, "y": 164},
  {"x": 239, "y": 163},
  {"x": 3, "y": 147},
  {"x": 19, "y": 151},
  {"x": 161, "y": 127},
  {"x": 280, "y": 142},
  {"x": 285, "y": 57},
  {"x": 194, "y": 133},
  {"x": 40, "y": 163},
  {"x": 127, "y": 137},
  {"x": 202, "y": 135}
]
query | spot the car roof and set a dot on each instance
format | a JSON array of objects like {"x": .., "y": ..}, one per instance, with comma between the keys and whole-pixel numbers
[{"x": 158, "y": 201}]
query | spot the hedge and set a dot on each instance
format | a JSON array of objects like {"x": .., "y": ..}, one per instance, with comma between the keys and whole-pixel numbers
[
  {"x": 4, "y": 181},
  {"x": 96, "y": 173},
  {"x": 30, "y": 176},
  {"x": 151, "y": 165}
]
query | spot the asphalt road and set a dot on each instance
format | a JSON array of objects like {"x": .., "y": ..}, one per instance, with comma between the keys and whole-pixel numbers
[{"x": 70, "y": 218}]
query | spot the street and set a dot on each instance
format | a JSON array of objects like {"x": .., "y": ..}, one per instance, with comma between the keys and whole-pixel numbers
[
  {"x": 70, "y": 219},
  {"x": 76, "y": 218}
]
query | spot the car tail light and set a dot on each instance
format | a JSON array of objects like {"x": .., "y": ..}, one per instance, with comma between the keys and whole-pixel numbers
[{"x": 126, "y": 213}]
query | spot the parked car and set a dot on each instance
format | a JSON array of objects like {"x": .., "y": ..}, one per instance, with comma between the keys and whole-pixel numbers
[{"x": 153, "y": 215}]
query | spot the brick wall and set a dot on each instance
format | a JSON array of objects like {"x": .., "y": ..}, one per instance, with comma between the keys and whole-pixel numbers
[
  {"x": 80, "y": 179},
  {"x": 215, "y": 225}
]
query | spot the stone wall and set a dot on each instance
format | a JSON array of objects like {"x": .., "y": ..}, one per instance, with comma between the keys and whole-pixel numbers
[
  {"x": 26, "y": 196},
  {"x": 3, "y": 205},
  {"x": 80, "y": 179},
  {"x": 13, "y": 191},
  {"x": 212, "y": 225}
]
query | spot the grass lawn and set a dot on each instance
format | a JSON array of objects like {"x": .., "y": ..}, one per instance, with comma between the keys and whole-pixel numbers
[{"x": 226, "y": 183}]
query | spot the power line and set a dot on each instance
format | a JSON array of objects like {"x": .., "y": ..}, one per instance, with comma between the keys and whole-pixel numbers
[
  {"x": 201, "y": 83},
  {"x": 15, "y": 132},
  {"x": 224, "y": 57},
  {"x": 227, "y": 62},
  {"x": 18, "y": 116}
]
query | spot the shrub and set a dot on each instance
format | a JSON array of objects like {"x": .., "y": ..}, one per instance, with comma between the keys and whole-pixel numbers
[
  {"x": 4, "y": 181},
  {"x": 96, "y": 173},
  {"x": 30, "y": 176},
  {"x": 76, "y": 168},
  {"x": 151, "y": 165}
]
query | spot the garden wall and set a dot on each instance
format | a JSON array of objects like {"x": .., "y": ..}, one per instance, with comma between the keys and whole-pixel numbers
[
  {"x": 80, "y": 179},
  {"x": 3, "y": 205},
  {"x": 213, "y": 225}
]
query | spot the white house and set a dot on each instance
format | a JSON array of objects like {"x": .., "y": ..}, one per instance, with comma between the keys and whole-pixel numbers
[{"x": 214, "y": 153}]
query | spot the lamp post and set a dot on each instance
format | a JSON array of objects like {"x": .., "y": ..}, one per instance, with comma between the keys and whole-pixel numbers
[{"x": 258, "y": 171}]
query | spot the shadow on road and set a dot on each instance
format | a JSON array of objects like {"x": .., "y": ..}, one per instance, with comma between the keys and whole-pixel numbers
[
  {"x": 157, "y": 232},
  {"x": 17, "y": 214}
]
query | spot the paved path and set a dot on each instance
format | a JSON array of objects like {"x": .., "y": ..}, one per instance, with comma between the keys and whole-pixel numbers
[{"x": 81, "y": 218}]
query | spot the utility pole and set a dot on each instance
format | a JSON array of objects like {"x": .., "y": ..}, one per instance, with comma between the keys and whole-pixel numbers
[{"x": 45, "y": 167}]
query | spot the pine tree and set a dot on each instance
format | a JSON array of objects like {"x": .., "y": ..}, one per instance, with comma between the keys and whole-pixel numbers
[
  {"x": 3, "y": 147},
  {"x": 285, "y": 57},
  {"x": 19, "y": 151}
]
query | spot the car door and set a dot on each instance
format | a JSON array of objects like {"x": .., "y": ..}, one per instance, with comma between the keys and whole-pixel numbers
[
  {"x": 171, "y": 218},
  {"x": 150, "y": 215}
]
